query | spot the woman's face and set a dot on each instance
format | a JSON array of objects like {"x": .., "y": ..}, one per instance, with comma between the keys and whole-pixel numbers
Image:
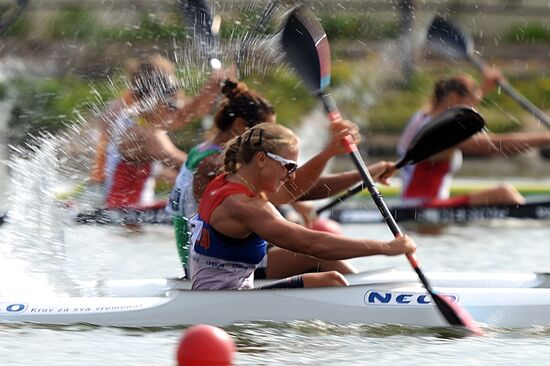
[
  {"x": 278, "y": 168},
  {"x": 474, "y": 95}
]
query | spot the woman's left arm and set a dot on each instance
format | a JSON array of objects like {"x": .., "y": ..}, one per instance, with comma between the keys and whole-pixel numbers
[
  {"x": 308, "y": 174},
  {"x": 197, "y": 107},
  {"x": 329, "y": 185}
]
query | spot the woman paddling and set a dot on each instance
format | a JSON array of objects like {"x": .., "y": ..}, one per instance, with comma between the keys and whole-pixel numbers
[
  {"x": 242, "y": 109},
  {"x": 428, "y": 183},
  {"x": 134, "y": 130},
  {"x": 235, "y": 219}
]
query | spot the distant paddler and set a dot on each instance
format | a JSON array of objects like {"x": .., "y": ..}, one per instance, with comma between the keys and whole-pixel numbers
[
  {"x": 428, "y": 183},
  {"x": 134, "y": 145}
]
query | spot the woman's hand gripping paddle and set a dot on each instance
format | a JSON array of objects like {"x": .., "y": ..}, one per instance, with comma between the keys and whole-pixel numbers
[{"x": 307, "y": 50}]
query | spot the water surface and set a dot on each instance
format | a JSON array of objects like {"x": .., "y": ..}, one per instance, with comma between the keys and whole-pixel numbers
[{"x": 103, "y": 252}]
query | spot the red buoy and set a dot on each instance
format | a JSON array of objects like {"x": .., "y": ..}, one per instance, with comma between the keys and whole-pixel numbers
[
  {"x": 327, "y": 225},
  {"x": 205, "y": 345}
]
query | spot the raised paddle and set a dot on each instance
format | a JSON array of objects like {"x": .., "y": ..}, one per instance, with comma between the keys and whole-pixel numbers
[
  {"x": 444, "y": 131},
  {"x": 448, "y": 40},
  {"x": 307, "y": 50},
  {"x": 204, "y": 26}
]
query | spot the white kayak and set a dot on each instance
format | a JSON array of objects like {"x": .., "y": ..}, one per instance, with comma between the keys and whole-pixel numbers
[{"x": 389, "y": 297}]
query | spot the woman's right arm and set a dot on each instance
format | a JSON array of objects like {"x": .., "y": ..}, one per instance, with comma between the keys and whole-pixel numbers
[
  {"x": 262, "y": 218},
  {"x": 196, "y": 106},
  {"x": 506, "y": 143}
]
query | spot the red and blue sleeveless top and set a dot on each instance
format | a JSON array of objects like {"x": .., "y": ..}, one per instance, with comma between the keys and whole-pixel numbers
[{"x": 209, "y": 242}]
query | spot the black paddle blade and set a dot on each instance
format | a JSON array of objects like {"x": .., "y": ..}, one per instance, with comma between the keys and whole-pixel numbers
[
  {"x": 444, "y": 131},
  {"x": 198, "y": 21},
  {"x": 306, "y": 48},
  {"x": 447, "y": 39},
  {"x": 456, "y": 315}
]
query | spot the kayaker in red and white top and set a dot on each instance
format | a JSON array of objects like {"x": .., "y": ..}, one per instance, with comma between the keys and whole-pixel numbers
[
  {"x": 236, "y": 218},
  {"x": 134, "y": 142},
  {"x": 428, "y": 183}
]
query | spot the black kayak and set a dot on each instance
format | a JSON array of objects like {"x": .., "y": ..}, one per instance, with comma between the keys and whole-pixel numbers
[{"x": 444, "y": 215}]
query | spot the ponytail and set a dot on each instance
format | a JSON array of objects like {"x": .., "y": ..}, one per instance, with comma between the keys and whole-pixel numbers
[{"x": 240, "y": 102}]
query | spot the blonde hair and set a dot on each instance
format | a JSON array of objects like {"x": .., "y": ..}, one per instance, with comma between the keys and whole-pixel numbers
[{"x": 266, "y": 137}]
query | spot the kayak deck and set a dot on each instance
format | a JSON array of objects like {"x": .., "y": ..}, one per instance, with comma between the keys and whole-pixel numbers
[{"x": 158, "y": 287}]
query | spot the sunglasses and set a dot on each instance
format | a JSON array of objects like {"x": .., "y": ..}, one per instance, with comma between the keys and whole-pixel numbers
[{"x": 289, "y": 165}]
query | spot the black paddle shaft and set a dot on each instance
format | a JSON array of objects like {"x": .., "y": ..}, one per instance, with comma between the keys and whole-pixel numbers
[
  {"x": 512, "y": 92},
  {"x": 353, "y": 152},
  {"x": 306, "y": 47},
  {"x": 198, "y": 18}
]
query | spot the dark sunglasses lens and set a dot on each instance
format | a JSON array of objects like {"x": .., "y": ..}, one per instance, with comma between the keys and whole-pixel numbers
[{"x": 290, "y": 167}]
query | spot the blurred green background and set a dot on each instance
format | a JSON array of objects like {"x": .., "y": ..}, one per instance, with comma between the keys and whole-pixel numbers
[{"x": 95, "y": 38}]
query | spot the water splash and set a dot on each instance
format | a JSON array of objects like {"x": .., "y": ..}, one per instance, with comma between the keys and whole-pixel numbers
[{"x": 32, "y": 242}]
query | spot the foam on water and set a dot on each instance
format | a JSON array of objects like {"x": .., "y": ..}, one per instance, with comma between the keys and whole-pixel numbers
[{"x": 33, "y": 238}]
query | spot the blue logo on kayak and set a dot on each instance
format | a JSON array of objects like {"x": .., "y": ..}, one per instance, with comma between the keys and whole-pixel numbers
[
  {"x": 11, "y": 308},
  {"x": 377, "y": 297}
]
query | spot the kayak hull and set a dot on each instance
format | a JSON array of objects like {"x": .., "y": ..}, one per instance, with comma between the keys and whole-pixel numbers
[{"x": 399, "y": 303}]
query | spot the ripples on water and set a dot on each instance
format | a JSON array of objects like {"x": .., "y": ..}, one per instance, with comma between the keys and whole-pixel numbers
[
  {"x": 298, "y": 343},
  {"x": 45, "y": 253},
  {"x": 152, "y": 254}
]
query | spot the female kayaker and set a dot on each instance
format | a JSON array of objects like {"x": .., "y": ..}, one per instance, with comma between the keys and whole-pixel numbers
[
  {"x": 428, "y": 183},
  {"x": 236, "y": 219},
  {"x": 242, "y": 109},
  {"x": 134, "y": 130}
]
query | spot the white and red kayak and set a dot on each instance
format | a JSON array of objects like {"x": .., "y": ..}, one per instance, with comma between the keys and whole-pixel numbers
[{"x": 382, "y": 297}]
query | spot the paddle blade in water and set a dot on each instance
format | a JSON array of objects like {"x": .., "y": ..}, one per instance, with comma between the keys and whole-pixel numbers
[
  {"x": 445, "y": 38},
  {"x": 444, "y": 131},
  {"x": 456, "y": 315},
  {"x": 306, "y": 49}
]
